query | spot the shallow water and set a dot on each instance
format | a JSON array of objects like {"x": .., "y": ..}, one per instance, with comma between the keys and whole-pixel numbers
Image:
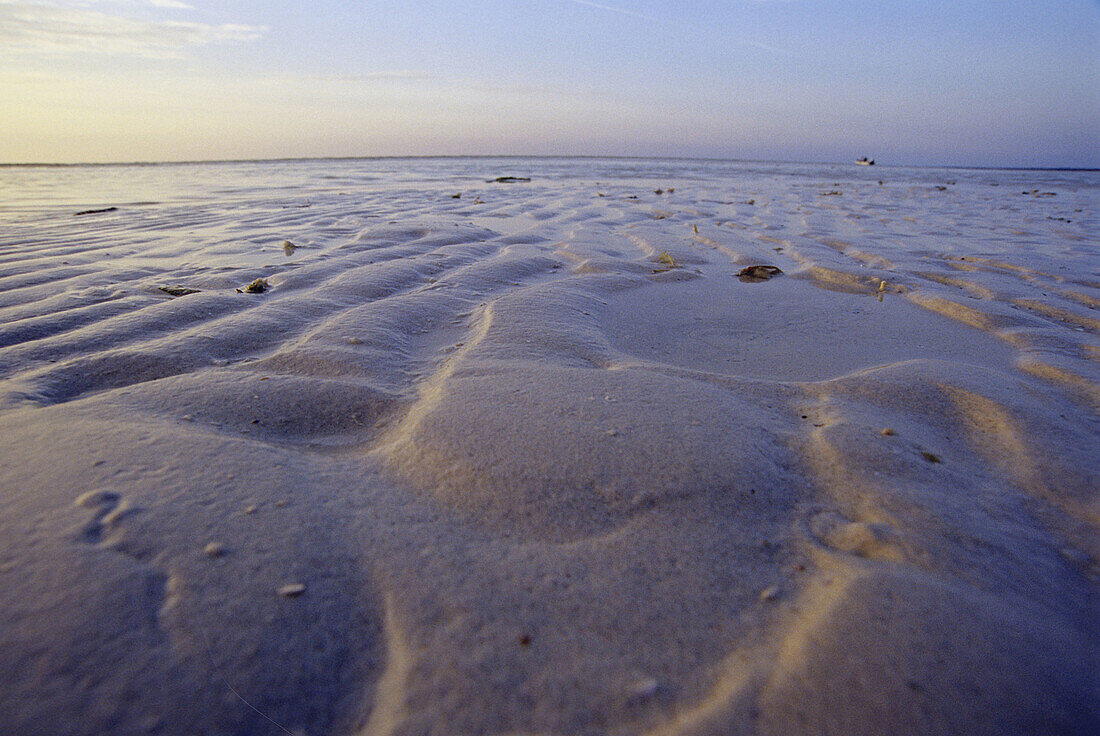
[{"x": 788, "y": 330}]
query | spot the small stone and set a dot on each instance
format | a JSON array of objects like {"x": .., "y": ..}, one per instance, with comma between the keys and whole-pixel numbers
[
  {"x": 251, "y": 508},
  {"x": 770, "y": 593},
  {"x": 887, "y": 432},
  {"x": 289, "y": 247},
  {"x": 214, "y": 550},
  {"x": 292, "y": 590},
  {"x": 931, "y": 456}
]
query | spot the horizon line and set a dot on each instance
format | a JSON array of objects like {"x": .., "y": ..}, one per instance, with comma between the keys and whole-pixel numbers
[{"x": 294, "y": 159}]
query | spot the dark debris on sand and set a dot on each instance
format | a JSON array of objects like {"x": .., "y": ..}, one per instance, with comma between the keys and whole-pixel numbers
[
  {"x": 756, "y": 274},
  {"x": 258, "y": 286},
  {"x": 177, "y": 290}
]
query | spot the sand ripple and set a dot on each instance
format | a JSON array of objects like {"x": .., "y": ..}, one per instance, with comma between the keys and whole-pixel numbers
[{"x": 538, "y": 460}]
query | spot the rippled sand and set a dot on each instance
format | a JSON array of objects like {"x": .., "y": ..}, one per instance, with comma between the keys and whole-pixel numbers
[{"x": 533, "y": 460}]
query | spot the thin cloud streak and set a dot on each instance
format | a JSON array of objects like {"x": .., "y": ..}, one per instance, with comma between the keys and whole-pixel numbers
[
  {"x": 636, "y": 14},
  {"x": 413, "y": 79},
  {"x": 57, "y": 30},
  {"x": 612, "y": 9},
  {"x": 400, "y": 75},
  {"x": 171, "y": 4}
]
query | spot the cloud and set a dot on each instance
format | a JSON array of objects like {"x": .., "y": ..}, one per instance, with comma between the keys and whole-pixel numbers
[
  {"x": 172, "y": 4},
  {"x": 611, "y": 8},
  {"x": 410, "y": 80},
  {"x": 383, "y": 76},
  {"x": 40, "y": 27},
  {"x": 673, "y": 22}
]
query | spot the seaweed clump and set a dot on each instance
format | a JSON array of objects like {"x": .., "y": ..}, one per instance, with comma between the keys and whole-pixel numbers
[
  {"x": 258, "y": 286},
  {"x": 667, "y": 262},
  {"x": 756, "y": 274},
  {"x": 177, "y": 290}
]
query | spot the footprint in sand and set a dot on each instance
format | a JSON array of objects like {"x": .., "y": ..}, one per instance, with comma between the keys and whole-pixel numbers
[
  {"x": 109, "y": 508},
  {"x": 859, "y": 538}
]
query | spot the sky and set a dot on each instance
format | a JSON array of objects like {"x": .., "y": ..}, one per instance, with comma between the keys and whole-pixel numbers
[{"x": 921, "y": 82}]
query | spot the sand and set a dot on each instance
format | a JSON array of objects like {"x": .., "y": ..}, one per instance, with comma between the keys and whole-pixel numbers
[{"x": 534, "y": 460}]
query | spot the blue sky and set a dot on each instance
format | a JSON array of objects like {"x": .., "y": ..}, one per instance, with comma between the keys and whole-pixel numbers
[{"x": 981, "y": 82}]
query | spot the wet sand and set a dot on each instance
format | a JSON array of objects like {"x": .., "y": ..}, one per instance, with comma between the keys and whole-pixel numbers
[{"x": 534, "y": 460}]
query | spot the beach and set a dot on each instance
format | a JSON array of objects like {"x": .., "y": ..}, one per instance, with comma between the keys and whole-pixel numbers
[{"x": 528, "y": 446}]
